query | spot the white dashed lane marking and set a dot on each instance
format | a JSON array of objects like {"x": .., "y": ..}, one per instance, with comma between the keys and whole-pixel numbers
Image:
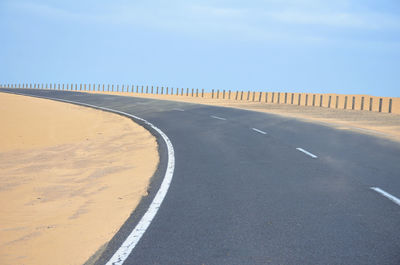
[
  {"x": 259, "y": 131},
  {"x": 218, "y": 118},
  {"x": 387, "y": 195},
  {"x": 306, "y": 152}
]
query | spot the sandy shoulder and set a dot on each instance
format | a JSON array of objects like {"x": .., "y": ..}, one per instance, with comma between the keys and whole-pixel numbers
[
  {"x": 382, "y": 125},
  {"x": 69, "y": 178}
]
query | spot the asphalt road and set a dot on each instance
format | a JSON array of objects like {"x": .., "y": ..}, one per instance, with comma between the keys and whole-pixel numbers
[{"x": 243, "y": 194}]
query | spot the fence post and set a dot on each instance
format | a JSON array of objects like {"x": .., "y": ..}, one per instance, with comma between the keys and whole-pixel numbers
[
  {"x": 223, "y": 94},
  {"x": 370, "y": 104},
  {"x": 321, "y": 100},
  {"x": 266, "y": 97},
  {"x": 157, "y": 90},
  {"x": 313, "y": 100},
  {"x": 273, "y": 95},
  {"x": 192, "y": 92},
  {"x": 229, "y": 94},
  {"x": 337, "y": 102},
  {"x": 380, "y": 105},
  {"x": 202, "y": 92},
  {"x": 197, "y": 92},
  {"x": 299, "y": 100},
  {"x": 248, "y": 95},
  {"x": 279, "y": 98},
  {"x": 162, "y": 90},
  {"x": 306, "y": 103},
  {"x": 291, "y": 102},
  {"x": 353, "y": 103},
  {"x": 345, "y": 102},
  {"x": 362, "y": 103},
  {"x": 166, "y": 91},
  {"x": 236, "y": 97},
  {"x": 259, "y": 97},
  {"x": 212, "y": 93},
  {"x": 390, "y": 106},
  {"x": 285, "y": 97},
  {"x": 241, "y": 95},
  {"x": 329, "y": 101}
]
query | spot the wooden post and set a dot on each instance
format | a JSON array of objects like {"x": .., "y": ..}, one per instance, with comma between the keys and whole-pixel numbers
[
  {"x": 223, "y": 94},
  {"x": 187, "y": 91},
  {"x": 320, "y": 100},
  {"x": 266, "y": 97},
  {"x": 337, "y": 102},
  {"x": 152, "y": 89},
  {"x": 362, "y": 103},
  {"x": 279, "y": 97},
  {"x": 197, "y": 92},
  {"x": 259, "y": 97},
  {"x": 313, "y": 100},
  {"x": 299, "y": 101},
  {"x": 370, "y": 104},
  {"x": 192, "y": 92},
  {"x": 202, "y": 92},
  {"x": 273, "y": 95},
  {"x": 212, "y": 93},
  {"x": 329, "y": 101},
  {"x": 380, "y": 105},
  {"x": 390, "y": 106},
  {"x": 217, "y": 93},
  {"x": 162, "y": 90},
  {"x": 306, "y": 104},
  {"x": 236, "y": 97},
  {"x": 241, "y": 95},
  {"x": 353, "y": 103},
  {"x": 291, "y": 102},
  {"x": 345, "y": 102},
  {"x": 285, "y": 98}
]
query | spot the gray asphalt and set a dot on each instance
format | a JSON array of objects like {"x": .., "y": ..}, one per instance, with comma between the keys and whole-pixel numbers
[{"x": 242, "y": 197}]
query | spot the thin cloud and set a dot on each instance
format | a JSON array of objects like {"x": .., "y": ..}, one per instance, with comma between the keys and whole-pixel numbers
[
  {"x": 367, "y": 21},
  {"x": 245, "y": 23}
]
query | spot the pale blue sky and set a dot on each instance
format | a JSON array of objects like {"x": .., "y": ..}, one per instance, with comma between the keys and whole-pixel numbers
[{"x": 341, "y": 46}]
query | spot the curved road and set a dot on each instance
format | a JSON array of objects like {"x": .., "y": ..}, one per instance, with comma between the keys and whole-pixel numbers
[{"x": 254, "y": 188}]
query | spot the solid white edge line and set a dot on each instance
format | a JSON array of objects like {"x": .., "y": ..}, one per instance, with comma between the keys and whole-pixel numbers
[
  {"x": 178, "y": 109},
  {"x": 257, "y": 130},
  {"x": 133, "y": 238},
  {"x": 216, "y": 117},
  {"x": 387, "y": 195},
  {"x": 306, "y": 152}
]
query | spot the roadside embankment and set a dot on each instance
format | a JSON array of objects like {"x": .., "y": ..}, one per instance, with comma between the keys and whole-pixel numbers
[
  {"x": 69, "y": 178},
  {"x": 380, "y": 124}
]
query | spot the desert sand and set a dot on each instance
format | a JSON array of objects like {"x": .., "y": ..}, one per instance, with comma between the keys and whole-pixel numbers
[
  {"x": 69, "y": 178},
  {"x": 383, "y": 125}
]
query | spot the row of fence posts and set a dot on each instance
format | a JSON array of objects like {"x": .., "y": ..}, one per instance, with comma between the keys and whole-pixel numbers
[
  {"x": 239, "y": 95},
  {"x": 109, "y": 88}
]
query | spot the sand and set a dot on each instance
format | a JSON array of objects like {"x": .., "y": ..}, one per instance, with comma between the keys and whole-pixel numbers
[
  {"x": 69, "y": 178},
  {"x": 383, "y": 125}
]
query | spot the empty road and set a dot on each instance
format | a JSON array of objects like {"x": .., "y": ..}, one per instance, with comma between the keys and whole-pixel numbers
[{"x": 255, "y": 188}]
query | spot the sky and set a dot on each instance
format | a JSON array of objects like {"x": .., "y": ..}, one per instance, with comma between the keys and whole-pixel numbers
[{"x": 314, "y": 46}]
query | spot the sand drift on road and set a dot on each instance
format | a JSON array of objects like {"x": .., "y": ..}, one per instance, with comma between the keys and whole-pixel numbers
[{"x": 69, "y": 178}]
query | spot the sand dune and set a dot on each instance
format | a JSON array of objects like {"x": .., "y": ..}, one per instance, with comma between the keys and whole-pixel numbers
[{"x": 69, "y": 178}]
